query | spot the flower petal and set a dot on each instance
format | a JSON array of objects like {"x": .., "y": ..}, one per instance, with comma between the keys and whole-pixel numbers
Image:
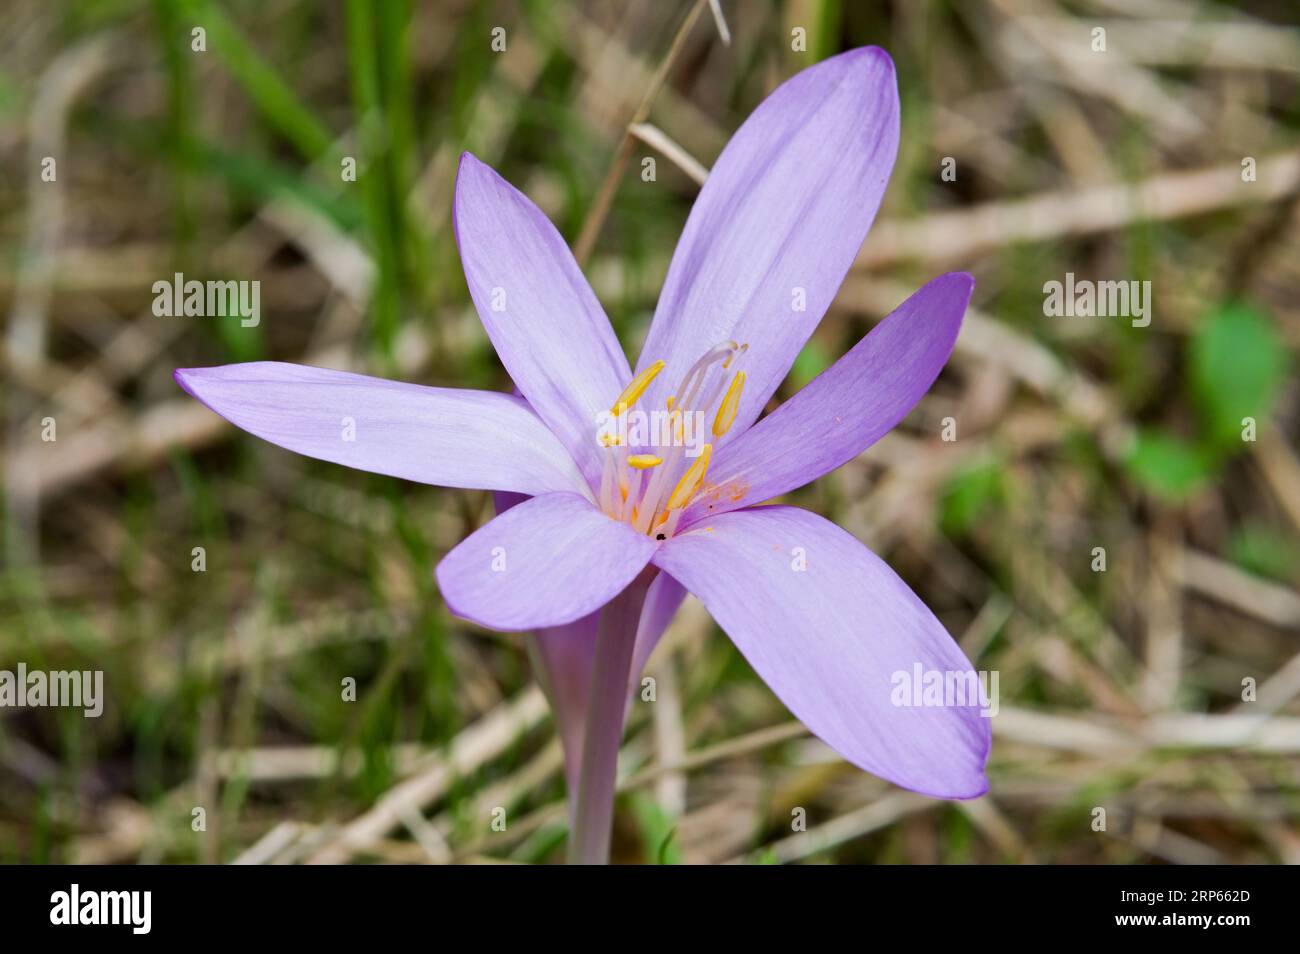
[
  {"x": 662, "y": 601},
  {"x": 830, "y": 640},
  {"x": 847, "y": 408},
  {"x": 543, "y": 318},
  {"x": 443, "y": 436},
  {"x": 778, "y": 224},
  {"x": 564, "y": 657},
  {"x": 550, "y": 560}
]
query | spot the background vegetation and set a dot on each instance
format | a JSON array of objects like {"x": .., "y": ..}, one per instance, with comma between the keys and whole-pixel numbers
[{"x": 1119, "y": 689}]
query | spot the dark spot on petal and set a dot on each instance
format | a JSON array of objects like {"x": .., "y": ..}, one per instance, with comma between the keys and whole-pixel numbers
[{"x": 660, "y": 536}]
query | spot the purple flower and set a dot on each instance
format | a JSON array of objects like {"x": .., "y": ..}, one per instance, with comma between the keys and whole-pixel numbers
[{"x": 620, "y": 492}]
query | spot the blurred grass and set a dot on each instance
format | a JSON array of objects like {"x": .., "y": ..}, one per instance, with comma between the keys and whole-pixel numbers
[{"x": 185, "y": 161}]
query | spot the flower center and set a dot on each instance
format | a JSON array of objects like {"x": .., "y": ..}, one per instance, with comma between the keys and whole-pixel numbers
[{"x": 656, "y": 461}]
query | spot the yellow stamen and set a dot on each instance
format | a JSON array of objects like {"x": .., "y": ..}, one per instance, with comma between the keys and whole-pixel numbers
[
  {"x": 644, "y": 461},
  {"x": 636, "y": 388},
  {"x": 730, "y": 401},
  {"x": 693, "y": 477},
  {"x": 610, "y": 440},
  {"x": 672, "y": 399},
  {"x": 675, "y": 424}
]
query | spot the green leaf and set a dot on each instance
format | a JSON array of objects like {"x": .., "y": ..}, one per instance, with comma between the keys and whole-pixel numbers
[
  {"x": 812, "y": 361},
  {"x": 1167, "y": 466},
  {"x": 1265, "y": 551},
  {"x": 658, "y": 832},
  {"x": 264, "y": 179},
  {"x": 272, "y": 95},
  {"x": 970, "y": 494},
  {"x": 1238, "y": 363}
]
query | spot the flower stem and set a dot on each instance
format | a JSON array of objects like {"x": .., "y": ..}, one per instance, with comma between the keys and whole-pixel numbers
[{"x": 592, "y": 816}]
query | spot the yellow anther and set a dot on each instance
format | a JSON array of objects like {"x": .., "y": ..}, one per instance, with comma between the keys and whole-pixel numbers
[
  {"x": 730, "y": 401},
  {"x": 693, "y": 477},
  {"x": 672, "y": 399},
  {"x": 636, "y": 388},
  {"x": 674, "y": 423},
  {"x": 644, "y": 461},
  {"x": 610, "y": 440}
]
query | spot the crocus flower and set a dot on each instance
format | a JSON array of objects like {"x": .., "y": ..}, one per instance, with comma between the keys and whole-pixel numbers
[{"x": 602, "y": 532}]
